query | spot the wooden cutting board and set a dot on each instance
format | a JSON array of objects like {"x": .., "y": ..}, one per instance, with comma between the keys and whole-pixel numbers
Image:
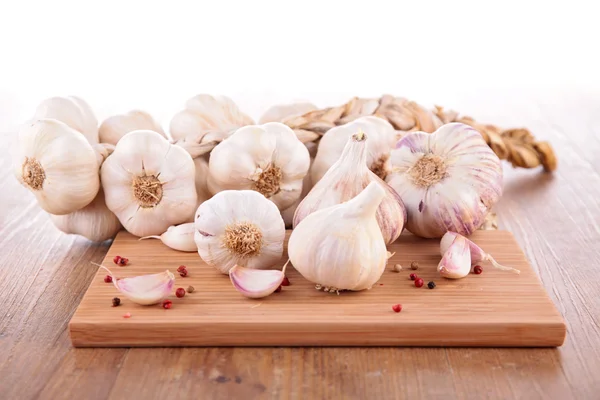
[{"x": 496, "y": 308}]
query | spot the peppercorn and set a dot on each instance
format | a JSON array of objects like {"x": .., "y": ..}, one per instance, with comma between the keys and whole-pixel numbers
[
  {"x": 123, "y": 261},
  {"x": 397, "y": 307},
  {"x": 397, "y": 268},
  {"x": 414, "y": 265},
  {"x": 477, "y": 269},
  {"x": 180, "y": 292},
  {"x": 190, "y": 289},
  {"x": 181, "y": 268},
  {"x": 167, "y": 304},
  {"x": 108, "y": 279},
  {"x": 183, "y": 273},
  {"x": 286, "y": 281},
  {"x": 116, "y": 302},
  {"x": 127, "y": 315},
  {"x": 117, "y": 260},
  {"x": 419, "y": 282},
  {"x": 431, "y": 285},
  {"x": 413, "y": 276},
  {"x": 278, "y": 289}
]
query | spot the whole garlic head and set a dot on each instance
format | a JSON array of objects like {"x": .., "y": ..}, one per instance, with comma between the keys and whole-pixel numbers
[
  {"x": 149, "y": 183},
  {"x": 267, "y": 158},
  {"x": 382, "y": 138},
  {"x": 449, "y": 180},
  {"x": 114, "y": 128},
  {"x": 57, "y": 164},
  {"x": 239, "y": 228},
  {"x": 73, "y": 111}
]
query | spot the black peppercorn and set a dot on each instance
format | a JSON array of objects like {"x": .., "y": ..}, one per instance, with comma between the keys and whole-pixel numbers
[
  {"x": 431, "y": 285},
  {"x": 116, "y": 302}
]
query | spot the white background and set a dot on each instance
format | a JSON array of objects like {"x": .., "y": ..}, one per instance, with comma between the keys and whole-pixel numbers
[{"x": 482, "y": 58}]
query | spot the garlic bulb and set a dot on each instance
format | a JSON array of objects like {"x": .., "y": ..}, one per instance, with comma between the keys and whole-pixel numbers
[
  {"x": 94, "y": 221},
  {"x": 178, "y": 237},
  {"x": 73, "y": 111},
  {"x": 57, "y": 164},
  {"x": 281, "y": 112},
  {"x": 267, "y": 158},
  {"x": 382, "y": 138},
  {"x": 449, "y": 180},
  {"x": 207, "y": 113},
  {"x": 346, "y": 179},
  {"x": 239, "y": 228},
  {"x": 114, "y": 128},
  {"x": 341, "y": 247},
  {"x": 149, "y": 183},
  {"x": 288, "y": 213}
]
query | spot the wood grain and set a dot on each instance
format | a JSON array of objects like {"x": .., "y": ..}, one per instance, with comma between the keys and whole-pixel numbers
[
  {"x": 555, "y": 219},
  {"x": 510, "y": 310}
]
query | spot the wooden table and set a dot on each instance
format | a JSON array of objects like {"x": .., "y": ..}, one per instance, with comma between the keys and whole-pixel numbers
[{"x": 556, "y": 219}]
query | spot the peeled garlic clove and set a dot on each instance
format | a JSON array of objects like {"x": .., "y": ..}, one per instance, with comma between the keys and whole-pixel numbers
[
  {"x": 239, "y": 228},
  {"x": 382, "y": 138},
  {"x": 477, "y": 253},
  {"x": 341, "y": 247},
  {"x": 73, "y": 111},
  {"x": 255, "y": 283},
  {"x": 456, "y": 261},
  {"x": 266, "y": 158},
  {"x": 448, "y": 180},
  {"x": 57, "y": 164},
  {"x": 347, "y": 178},
  {"x": 145, "y": 289},
  {"x": 114, "y": 128},
  {"x": 179, "y": 237},
  {"x": 281, "y": 112}
]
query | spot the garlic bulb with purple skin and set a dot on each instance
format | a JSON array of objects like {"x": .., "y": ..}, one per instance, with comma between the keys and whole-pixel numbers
[{"x": 448, "y": 180}]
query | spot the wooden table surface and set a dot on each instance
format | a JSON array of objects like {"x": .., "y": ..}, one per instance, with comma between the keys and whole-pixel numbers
[{"x": 555, "y": 218}]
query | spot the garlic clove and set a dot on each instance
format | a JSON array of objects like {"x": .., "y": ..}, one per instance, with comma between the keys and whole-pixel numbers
[
  {"x": 145, "y": 289},
  {"x": 456, "y": 261},
  {"x": 114, "y": 128},
  {"x": 179, "y": 237},
  {"x": 256, "y": 283},
  {"x": 477, "y": 253}
]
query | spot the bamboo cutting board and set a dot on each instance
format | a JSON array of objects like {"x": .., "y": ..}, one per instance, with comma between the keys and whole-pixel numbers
[{"x": 496, "y": 308}]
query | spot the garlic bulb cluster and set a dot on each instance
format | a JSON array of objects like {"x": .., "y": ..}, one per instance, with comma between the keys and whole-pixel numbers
[
  {"x": 57, "y": 164},
  {"x": 239, "y": 228},
  {"x": 149, "y": 183},
  {"x": 267, "y": 158},
  {"x": 114, "y": 128},
  {"x": 346, "y": 178},
  {"x": 73, "y": 111},
  {"x": 382, "y": 138},
  {"x": 449, "y": 180},
  {"x": 281, "y": 112},
  {"x": 341, "y": 247}
]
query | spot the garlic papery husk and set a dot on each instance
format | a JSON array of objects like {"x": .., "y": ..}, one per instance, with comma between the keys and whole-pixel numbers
[
  {"x": 94, "y": 221},
  {"x": 288, "y": 213},
  {"x": 114, "y": 128},
  {"x": 57, "y": 164},
  {"x": 382, "y": 138},
  {"x": 145, "y": 289},
  {"x": 256, "y": 283},
  {"x": 341, "y": 247},
  {"x": 456, "y": 260},
  {"x": 239, "y": 228},
  {"x": 149, "y": 183},
  {"x": 178, "y": 237},
  {"x": 267, "y": 158},
  {"x": 281, "y": 112},
  {"x": 477, "y": 253},
  {"x": 346, "y": 178},
  {"x": 448, "y": 180},
  {"x": 204, "y": 113},
  {"x": 73, "y": 111}
]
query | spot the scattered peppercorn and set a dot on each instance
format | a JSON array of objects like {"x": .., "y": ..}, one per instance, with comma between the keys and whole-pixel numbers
[
  {"x": 190, "y": 289},
  {"x": 278, "y": 289},
  {"x": 116, "y": 302},
  {"x": 413, "y": 276},
  {"x": 397, "y": 268},
  {"x": 123, "y": 261},
  {"x": 419, "y": 282},
  {"x": 127, "y": 315},
  {"x": 397, "y": 307},
  {"x": 108, "y": 279},
  {"x": 431, "y": 285},
  {"x": 183, "y": 273},
  {"x": 414, "y": 265},
  {"x": 117, "y": 260},
  {"x": 181, "y": 268},
  {"x": 180, "y": 292},
  {"x": 167, "y": 304},
  {"x": 477, "y": 270},
  {"x": 286, "y": 281}
]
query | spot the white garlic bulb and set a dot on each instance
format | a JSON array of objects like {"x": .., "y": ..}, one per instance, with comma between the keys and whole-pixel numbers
[
  {"x": 207, "y": 113},
  {"x": 382, "y": 138},
  {"x": 449, "y": 180},
  {"x": 346, "y": 179},
  {"x": 281, "y": 112},
  {"x": 73, "y": 111},
  {"x": 94, "y": 221},
  {"x": 267, "y": 158},
  {"x": 239, "y": 228},
  {"x": 57, "y": 164},
  {"x": 114, "y": 128},
  {"x": 341, "y": 247},
  {"x": 149, "y": 183}
]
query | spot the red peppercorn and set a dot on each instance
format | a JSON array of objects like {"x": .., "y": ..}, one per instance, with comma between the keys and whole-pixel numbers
[
  {"x": 127, "y": 315},
  {"x": 183, "y": 273},
  {"x": 413, "y": 276},
  {"x": 167, "y": 304},
  {"x": 278, "y": 289},
  {"x": 181, "y": 268},
  {"x": 419, "y": 282},
  {"x": 108, "y": 279},
  {"x": 477, "y": 270},
  {"x": 123, "y": 261},
  {"x": 397, "y": 307},
  {"x": 286, "y": 281},
  {"x": 117, "y": 260},
  {"x": 180, "y": 292}
]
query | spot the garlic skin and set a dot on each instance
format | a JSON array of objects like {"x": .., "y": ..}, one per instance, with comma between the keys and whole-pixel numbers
[
  {"x": 449, "y": 180},
  {"x": 207, "y": 113},
  {"x": 73, "y": 111},
  {"x": 239, "y": 228},
  {"x": 149, "y": 183},
  {"x": 267, "y": 158},
  {"x": 114, "y": 128},
  {"x": 341, "y": 247},
  {"x": 281, "y": 112},
  {"x": 382, "y": 138},
  {"x": 255, "y": 283},
  {"x": 178, "y": 237},
  {"x": 57, "y": 164},
  {"x": 145, "y": 290},
  {"x": 456, "y": 261},
  {"x": 94, "y": 221}
]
